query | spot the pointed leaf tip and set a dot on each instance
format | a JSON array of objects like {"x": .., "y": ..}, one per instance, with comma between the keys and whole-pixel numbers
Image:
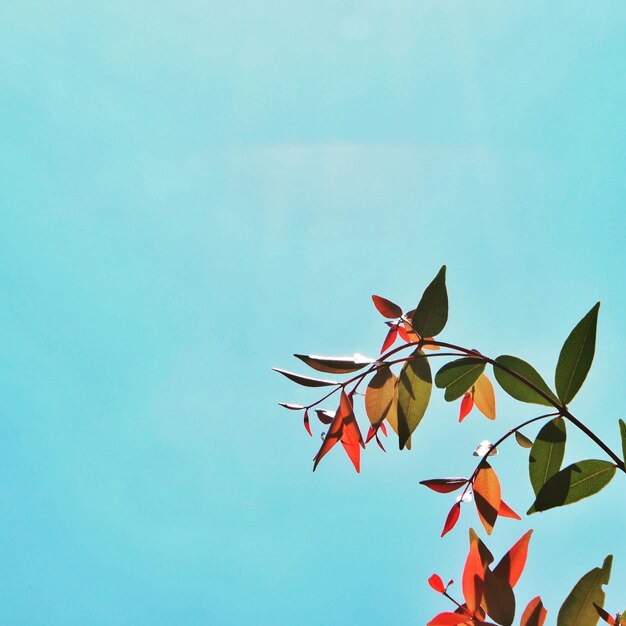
[
  {"x": 578, "y": 609},
  {"x": 534, "y": 614},
  {"x": 576, "y": 356},
  {"x": 431, "y": 314}
]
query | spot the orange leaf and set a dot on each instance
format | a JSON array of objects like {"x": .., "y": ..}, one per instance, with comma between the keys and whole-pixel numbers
[
  {"x": 436, "y": 583},
  {"x": 512, "y": 563},
  {"x": 487, "y": 496},
  {"x": 473, "y": 578},
  {"x": 485, "y": 397},
  {"x": 387, "y": 308},
  {"x": 307, "y": 424},
  {"x": 452, "y": 519},
  {"x": 534, "y": 614},
  {"x": 499, "y": 600},
  {"x": 506, "y": 511},
  {"x": 467, "y": 404},
  {"x": 449, "y": 619}
]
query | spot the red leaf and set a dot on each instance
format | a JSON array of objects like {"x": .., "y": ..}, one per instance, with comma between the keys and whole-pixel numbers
[
  {"x": 387, "y": 308},
  {"x": 353, "y": 451},
  {"x": 390, "y": 338},
  {"x": 332, "y": 437},
  {"x": 467, "y": 404},
  {"x": 436, "y": 583},
  {"x": 380, "y": 445},
  {"x": 383, "y": 428},
  {"x": 449, "y": 619},
  {"x": 404, "y": 335},
  {"x": 452, "y": 519},
  {"x": 307, "y": 425},
  {"x": 370, "y": 434},
  {"x": 534, "y": 614},
  {"x": 444, "y": 485},
  {"x": 513, "y": 562},
  {"x": 473, "y": 578},
  {"x": 326, "y": 417},
  {"x": 506, "y": 511},
  {"x": 609, "y": 619}
]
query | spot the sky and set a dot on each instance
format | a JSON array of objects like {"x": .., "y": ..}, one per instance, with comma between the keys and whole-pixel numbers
[{"x": 192, "y": 191}]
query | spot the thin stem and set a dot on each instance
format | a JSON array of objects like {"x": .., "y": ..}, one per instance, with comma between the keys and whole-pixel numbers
[{"x": 561, "y": 408}]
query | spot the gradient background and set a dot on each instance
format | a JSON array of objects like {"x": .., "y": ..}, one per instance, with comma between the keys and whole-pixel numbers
[{"x": 192, "y": 191}]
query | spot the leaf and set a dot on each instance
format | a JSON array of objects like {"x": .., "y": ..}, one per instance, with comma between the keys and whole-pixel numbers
[
  {"x": 458, "y": 376},
  {"x": 413, "y": 395},
  {"x": 485, "y": 448},
  {"x": 534, "y": 614},
  {"x": 307, "y": 423},
  {"x": 467, "y": 404},
  {"x": 444, "y": 485},
  {"x": 573, "y": 483},
  {"x": 485, "y": 397},
  {"x": 431, "y": 314},
  {"x": 291, "y": 407},
  {"x": 499, "y": 599},
  {"x": 390, "y": 338},
  {"x": 343, "y": 428},
  {"x": 607, "y": 617},
  {"x": 506, "y": 511},
  {"x": 305, "y": 380},
  {"x": 333, "y": 364},
  {"x": 392, "y": 414},
  {"x": 546, "y": 454},
  {"x": 622, "y": 430},
  {"x": 517, "y": 388},
  {"x": 326, "y": 417},
  {"x": 473, "y": 578},
  {"x": 449, "y": 619},
  {"x": 436, "y": 583},
  {"x": 578, "y": 609},
  {"x": 330, "y": 440},
  {"x": 487, "y": 496},
  {"x": 576, "y": 356},
  {"x": 452, "y": 518},
  {"x": 485, "y": 555},
  {"x": 522, "y": 440},
  {"x": 379, "y": 395},
  {"x": 512, "y": 564},
  {"x": 387, "y": 308}
]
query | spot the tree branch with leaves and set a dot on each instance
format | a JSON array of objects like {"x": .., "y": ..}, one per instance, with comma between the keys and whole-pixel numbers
[{"x": 400, "y": 400}]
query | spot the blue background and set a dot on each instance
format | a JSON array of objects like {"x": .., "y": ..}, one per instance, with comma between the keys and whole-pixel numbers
[{"x": 192, "y": 191}]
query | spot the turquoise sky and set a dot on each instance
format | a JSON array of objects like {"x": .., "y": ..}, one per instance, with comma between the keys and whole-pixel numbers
[{"x": 192, "y": 191}]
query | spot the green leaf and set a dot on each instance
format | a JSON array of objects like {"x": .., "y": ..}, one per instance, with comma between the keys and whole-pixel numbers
[
  {"x": 459, "y": 376},
  {"x": 306, "y": 380},
  {"x": 334, "y": 364},
  {"x": 576, "y": 356},
  {"x": 574, "y": 482},
  {"x": 523, "y": 440},
  {"x": 546, "y": 454},
  {"x": 413, "y": 395},
  {"x": 431, "y": 314},
  {"x": 578, "y": 609},
  {"x": 517, "y": 388},
  {"x": 622, "y": 430}
]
